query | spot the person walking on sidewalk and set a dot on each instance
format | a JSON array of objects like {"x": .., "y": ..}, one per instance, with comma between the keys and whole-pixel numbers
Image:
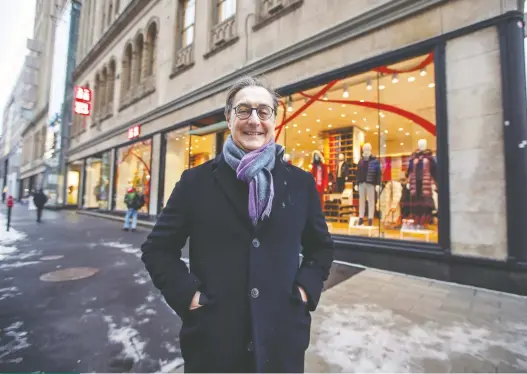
[
  {"x": 244, "y": 301},
  {"x": 134, "y": 201},
  {"x": 10, "y": 203},
  {"x": 40, "y": 199}
]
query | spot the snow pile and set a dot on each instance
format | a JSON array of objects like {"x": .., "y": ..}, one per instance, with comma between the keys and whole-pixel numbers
[
  {"x": 124, "y": 247},
  {"x": 9, "y": 252},
  {"x": 17, "y": 342},
  {"x": 128, "y": 337},
  {"x": 11, "y": 236},
  {"x": 367, "y": 338}
]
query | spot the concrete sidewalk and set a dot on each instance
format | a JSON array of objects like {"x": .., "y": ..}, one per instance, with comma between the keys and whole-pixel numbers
[{"x": 385, "y": 322}]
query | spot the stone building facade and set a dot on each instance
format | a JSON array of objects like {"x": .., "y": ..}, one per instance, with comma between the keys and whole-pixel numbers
[{"x": 436, "y": 88}]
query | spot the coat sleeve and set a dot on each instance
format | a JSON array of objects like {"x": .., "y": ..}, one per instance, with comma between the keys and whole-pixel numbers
[
  {"x": 161, "y": 252},
  {"x": 317, "y": 250}
]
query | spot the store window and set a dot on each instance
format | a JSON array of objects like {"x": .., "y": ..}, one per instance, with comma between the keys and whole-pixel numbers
[
  {"x": 202, "y": 149},
  {"x": 133, "y": 171},
  {"x": 370, "y": 142},
  {"x": 73, "y": 179},
  {"x": 97, "y": 181},
  {"x": 176, "y": 159}
]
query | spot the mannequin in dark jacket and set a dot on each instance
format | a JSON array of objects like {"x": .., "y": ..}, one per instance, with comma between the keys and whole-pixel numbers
[{"x": 245, "y": 302}]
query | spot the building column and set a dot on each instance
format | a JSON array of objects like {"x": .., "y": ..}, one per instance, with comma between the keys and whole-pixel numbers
[
  {"x": 155, "y": 174},
  {"x": 514, "y": 97}
]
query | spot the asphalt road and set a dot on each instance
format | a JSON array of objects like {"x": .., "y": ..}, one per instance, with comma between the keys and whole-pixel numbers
[{"x": 113, "y": 320}]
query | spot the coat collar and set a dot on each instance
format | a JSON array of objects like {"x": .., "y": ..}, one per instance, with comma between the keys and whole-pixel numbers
[{"x": 237, "y": 192}]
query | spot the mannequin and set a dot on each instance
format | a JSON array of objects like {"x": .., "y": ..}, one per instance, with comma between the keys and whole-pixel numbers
[
  {"x": 319, "y": 170},
  {"x": 421, "y": 175},
  {"x": 367, "y": 181},
  {"x": 342, "y": 173}
]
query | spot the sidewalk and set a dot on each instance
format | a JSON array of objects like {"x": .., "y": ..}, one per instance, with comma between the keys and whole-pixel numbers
[{"x": 386, "y": 322}]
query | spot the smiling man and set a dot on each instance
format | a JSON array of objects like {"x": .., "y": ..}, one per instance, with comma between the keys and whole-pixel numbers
[{"x": 246, "y": 302}]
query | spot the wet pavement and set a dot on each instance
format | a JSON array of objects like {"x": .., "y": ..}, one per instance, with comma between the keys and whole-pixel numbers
[{"x": 75, "y": 297}]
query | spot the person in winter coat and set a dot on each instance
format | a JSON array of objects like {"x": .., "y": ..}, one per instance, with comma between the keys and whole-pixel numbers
[
  {"x": 134, "y": 201},
  {"x": 40, "y": 199},
  {"x": 245, "y": 301}
]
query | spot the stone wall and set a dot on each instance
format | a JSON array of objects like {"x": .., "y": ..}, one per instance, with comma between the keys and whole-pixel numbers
[{"x": 476, "y": 151}]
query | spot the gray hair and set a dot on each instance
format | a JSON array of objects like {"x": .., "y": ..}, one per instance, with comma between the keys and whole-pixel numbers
[{"x": 249, "y": 82}]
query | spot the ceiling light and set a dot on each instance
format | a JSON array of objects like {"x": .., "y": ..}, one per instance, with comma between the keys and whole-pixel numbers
[
  {"x": 423, "y": 72},
  {"x": 294, "y": 149},
  {"x": 330, "y": 126},
  {"x": 304, "y": 114},
  {"x": 395, "y": 78},
  {"x": 314, "y": 136},
  {"x": 313, "y": 142},
  {"x": 366, "y": 128},
  {"x": 354, "y": 112},
  {"x": 381, "y": 87},
  {"x": 377, "y": 126},
  {"x": 375, "y": 133},
  {"x": 177, "y": 138},
  {"x": 385, "y": 146},
  {"x": 401, "y": 129},
  {"x": 353, "y": 121},
  {"x": 295, "y": 125},
  {"x": 325, "y": 97},
  {"x": 307, "y": 130},
  {"x": 362, "y": 101},
  {"x": 343, "y": 105},
  {"x": 289, "y": 101},
  {"x": 318, "y": 119},
  {"x": 300, "y": 131},
  {"x": 330, "y": 108},
  {"x": 345, "y": 94},
  {"x": 386, "y": 131},
  {"x": 368, "y": 85},
  {"x": 431, "y": 85},
  {"x": 298, "y": 144},
  {"x": 186, "y": 149},
  {"x": 287, "y": 126},
  {"x": 407, "y": 134},
  {"x": 343, "y": 115},
  {"x": 402, "y": 143},
  {"x": 411, "y": 79},
  {"x": 364, "y": 119}
]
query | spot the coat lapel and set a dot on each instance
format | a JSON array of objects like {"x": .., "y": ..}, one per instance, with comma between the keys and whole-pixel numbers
[{"x": 236, "y": 191}]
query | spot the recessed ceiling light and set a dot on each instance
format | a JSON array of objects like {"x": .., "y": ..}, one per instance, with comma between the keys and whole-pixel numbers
[
  {"x": 343, "y": 115},
  {"x": 362, "y": 101},
  {"x": 402, "y": 143},
  {"x": 377, "y": 126},
  {"x": 286, "y": 126},
  {"x": 304, "y": 114},
  {"x": 343, "y": 105},
  {"x": 314, "y": 136},
  {"x": 295, "y": 125},
  {"x": 313, "y": 142},
  {"x": 318, "y": 119},
  {"x": 381, "y": 87},
  {"x": 364, "y": 119},
  {"x": 300, "y": 131},
  {"x": 386, "y": 131},
  {"x": 353, "y": 121},
  {"x": 298, "y": 144},
  {"x": 375, "y": 133},
  {"x": 400, "y": 129},
  {"x": 330, "y": 108},
  {"x": 411, "y": 79},
  {"x": 307, "y": 130},
  {"x": 354, "y": 112},
  {"x": 330, "y": 125},
  {"x": 407, "y": 134},
  {"x": 366, "y": 128},
  {"x": 431, "y": 85},
  {"x": 385, "y": 146}
]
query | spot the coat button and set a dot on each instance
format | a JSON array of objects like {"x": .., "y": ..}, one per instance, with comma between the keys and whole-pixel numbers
[
  {"x": 250, "y": 346},
  {"x": 256, "y": 243},
  {"x": 285, "y": 183},
  {"x": 283, "y": 205},
  {"x": 255, "y": 293}
]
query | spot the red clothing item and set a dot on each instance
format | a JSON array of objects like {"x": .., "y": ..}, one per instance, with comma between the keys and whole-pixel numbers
[{"x": 320, "y": 173}]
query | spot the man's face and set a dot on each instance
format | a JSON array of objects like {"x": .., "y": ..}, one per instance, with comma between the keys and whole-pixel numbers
[{"x": 253, "y": 132}]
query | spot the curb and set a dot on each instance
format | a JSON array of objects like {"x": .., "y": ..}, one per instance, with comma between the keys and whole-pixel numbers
[{"x": 111, "y": 217}]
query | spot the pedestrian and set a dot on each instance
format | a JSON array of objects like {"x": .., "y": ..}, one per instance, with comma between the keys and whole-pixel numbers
[
  {"x": 134, "y": 201},
  {"x": 40, "y": 199},
  {"x": 10, "y": 203},
  {"x": 244, "y": 301}
]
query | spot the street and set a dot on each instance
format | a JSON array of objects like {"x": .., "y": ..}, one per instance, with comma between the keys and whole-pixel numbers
[{"x": 99, "y": 313}]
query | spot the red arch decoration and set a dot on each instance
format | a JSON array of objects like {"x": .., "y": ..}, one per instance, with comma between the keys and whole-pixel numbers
[{"x": 386, "y": 70}]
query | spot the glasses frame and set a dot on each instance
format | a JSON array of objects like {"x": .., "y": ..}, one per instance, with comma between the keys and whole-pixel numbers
[{"x": 271, "y": 114}]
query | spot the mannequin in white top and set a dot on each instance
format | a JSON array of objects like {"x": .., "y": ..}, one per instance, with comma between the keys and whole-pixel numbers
[{"x": 342, "y": 173}]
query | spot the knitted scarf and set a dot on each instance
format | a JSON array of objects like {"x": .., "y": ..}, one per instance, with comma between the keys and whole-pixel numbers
[{"x": 254, "y": 168}]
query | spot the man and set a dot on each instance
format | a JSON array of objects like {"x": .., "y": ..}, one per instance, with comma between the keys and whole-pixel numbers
[
  {"x": 40, "y": 199},
  {"x": 245, "y": 303},
  {"x": 134, "y": 201}
]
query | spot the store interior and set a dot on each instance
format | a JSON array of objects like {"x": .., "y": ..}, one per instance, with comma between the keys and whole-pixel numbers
[
  {"x": 97, "y": 187},
  {"x": 382, "y": 124},
  {"x": 73, "y": 182},
  {"x": 133, "y": 171}
]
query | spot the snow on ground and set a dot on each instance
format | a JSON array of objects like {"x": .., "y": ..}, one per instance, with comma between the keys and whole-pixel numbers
[
  {"x": 14, "y": 340},
  {"x": 10, "y": 256},
  {"x": 368, "y": 338},
  {"x": 128, "y": 337}
]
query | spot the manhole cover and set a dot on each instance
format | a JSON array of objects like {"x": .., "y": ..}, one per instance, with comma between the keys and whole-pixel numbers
[
  {"x": 68, "y": 274},
  {"x": 51, "y": 258}
]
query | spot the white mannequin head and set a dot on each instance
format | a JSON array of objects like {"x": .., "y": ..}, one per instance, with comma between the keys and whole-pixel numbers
[
  {"x": 287, "y": 157},
  {"x": 366, "y": 150},
  {"x": 317, "y": 156},
  {"x": 422, "y": 144},
  {"x": 341, "y": 157}
]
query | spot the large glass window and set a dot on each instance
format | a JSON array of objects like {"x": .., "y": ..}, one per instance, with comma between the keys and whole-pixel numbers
[
  {"x": 133, "y": 171},
  {"x": 97, "y": 181},
  {"x": 176, "y": 159},
  {"x": 73, "y": 178},
  {"x": 369, "y": 141}
]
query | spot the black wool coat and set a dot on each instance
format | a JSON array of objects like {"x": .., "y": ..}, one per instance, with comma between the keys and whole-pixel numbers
[{"x": 249, "y": 275}]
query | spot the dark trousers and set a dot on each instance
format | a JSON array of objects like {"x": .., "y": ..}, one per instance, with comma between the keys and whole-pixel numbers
[
  {"x": 39, "y": 213},
  {"x": 246, "y": 363},
  {"x": 9, "y": 217}
]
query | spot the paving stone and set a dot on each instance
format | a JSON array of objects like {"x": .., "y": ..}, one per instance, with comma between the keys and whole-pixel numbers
[{"x": 434, "y": 366}]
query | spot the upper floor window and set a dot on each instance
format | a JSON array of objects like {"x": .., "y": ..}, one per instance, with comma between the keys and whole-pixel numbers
[
  {"x": 187, "y": 20},
  {"x": 225, "y": 10}
]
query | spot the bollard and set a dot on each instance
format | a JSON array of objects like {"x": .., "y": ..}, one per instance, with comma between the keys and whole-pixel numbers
[{"x": 10, "y": 204}]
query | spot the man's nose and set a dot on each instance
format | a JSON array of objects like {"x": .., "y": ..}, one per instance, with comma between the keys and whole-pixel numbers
[{"x": 253, "y": 118}]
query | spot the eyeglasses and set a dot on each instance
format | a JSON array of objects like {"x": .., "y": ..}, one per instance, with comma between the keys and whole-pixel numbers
[{"x": 264, "y": 112}]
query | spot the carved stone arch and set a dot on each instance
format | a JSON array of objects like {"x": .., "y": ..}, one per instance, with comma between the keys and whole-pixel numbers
[
  {"x": 152, "y": 34},
  {"x": 139, "y": 51},
  {"x": 112, "y": 72},
  {"x": 126, "y": 67},
  {"x": 97, "y": 91}
]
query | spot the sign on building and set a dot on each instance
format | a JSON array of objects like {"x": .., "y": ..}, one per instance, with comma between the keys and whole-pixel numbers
[
  {"x": 134, "y": 132},
  {"x": 82, "y": 101}
]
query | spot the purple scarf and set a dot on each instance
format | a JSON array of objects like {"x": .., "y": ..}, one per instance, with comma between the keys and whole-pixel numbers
[{"x": 254, "y": 168}]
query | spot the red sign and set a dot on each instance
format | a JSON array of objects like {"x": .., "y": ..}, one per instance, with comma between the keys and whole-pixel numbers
[
  {"x": 134, "y": 132},
  {"x": 82, "y": 100}
]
